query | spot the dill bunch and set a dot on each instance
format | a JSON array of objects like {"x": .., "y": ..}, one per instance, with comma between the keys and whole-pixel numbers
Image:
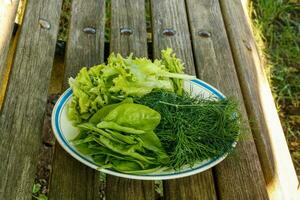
[{"x": 194, "y": 129}]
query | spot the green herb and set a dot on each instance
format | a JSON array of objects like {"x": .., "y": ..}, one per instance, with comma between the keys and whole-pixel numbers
[{"x": 194, "y": 129}]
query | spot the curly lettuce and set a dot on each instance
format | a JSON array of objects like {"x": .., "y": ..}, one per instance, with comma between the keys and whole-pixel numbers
[{"x": 120, "y": 78}]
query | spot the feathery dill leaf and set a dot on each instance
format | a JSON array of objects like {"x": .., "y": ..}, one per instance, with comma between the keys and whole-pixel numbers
[{"x": 194, "y": 129}]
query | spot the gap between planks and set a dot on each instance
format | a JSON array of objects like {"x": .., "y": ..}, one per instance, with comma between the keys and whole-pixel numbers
[{"x": 83, "y": 49}]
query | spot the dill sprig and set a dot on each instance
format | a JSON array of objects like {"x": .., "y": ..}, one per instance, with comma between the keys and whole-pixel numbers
[{"x": 194, "y": 129}]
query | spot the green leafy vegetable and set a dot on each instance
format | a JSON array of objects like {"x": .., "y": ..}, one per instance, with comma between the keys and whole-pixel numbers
[
  {"x": 117, "y": 127},
  {"x": 124, "y": 149},
  {"x": 123, "y": 139},
  {"x": 193, "y": 129},
  {"x": 174, "y": 65},
  {"x": 122, "y": 77},
  {"x": 100, "y": 114},
  {"x": 134, "y": 116}
]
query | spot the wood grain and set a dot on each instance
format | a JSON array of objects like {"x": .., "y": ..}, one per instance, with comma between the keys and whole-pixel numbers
[
  {"x": 84, "y": 48},
  {"x": 128, "y": 14},
  {"x": 172, "y": 15},
  {"x": 199, "y": 186},
  {"x": 122, "y": 188},
  {"x": 274, "y": 155},
  {"x": 8, "y": 12},
  {"x": 78, "y": 181},
  {"x": 239, "y": 176},
  {"x": 21, "y": 119}
]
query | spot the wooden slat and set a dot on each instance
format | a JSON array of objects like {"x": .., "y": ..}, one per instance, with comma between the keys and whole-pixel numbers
[
  {"x": 77, "y": 181},
  {"x": 171, "y": 14},
  {"x": 274, "y": 155},
  {"x": 21, "y": 119},
  {"x": 122, "y": 189},
  {"x": 240, "y": 176},
  {"x": 128, "y": 14},
  {"x": 8, "y": 12},
  {"x": 196, "y": 187},
  {"x": 85, "y": 48}
]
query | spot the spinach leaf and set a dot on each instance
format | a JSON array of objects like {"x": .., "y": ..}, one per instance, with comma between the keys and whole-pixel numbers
[
  {"x": 100, "y": 114},
  {"x": 135, "y": 116},
  {"x": 117, "y": 127}
]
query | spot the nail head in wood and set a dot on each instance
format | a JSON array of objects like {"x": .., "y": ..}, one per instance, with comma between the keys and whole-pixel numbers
[
  {"x": 44, "y": 24},
  {"x": 204, "y": 34},
  {"x": 89, "y": 30},
  {"x": 126, "y": 31},
  {"x": 169, "y": 32}
]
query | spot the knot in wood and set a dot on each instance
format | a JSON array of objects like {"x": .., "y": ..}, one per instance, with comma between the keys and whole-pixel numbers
[
  {"x": 89, "y": 30},
  {"x": 44, "y": 24},
  {"x": 247, "y": 45},
  {"x": 204, "y": 34},
  {"x": 126, "y": 31},
  {"x": 169, "y": 32}
]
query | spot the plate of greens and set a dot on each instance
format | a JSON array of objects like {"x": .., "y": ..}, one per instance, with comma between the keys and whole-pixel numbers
[{"x": 142, "y": 119}]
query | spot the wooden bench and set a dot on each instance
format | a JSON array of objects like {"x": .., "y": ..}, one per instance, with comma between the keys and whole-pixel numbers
[{"x": 214, "y": 40}]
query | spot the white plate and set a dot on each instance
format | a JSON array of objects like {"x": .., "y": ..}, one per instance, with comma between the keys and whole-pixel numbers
[{"x": 64, "y": 131}]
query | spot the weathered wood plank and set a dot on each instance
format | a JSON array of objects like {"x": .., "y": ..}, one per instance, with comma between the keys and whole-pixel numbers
[
  {"x": 122, "y": 188},
  {"x": 8, "y": 12},
  {"x": 191, "y": 187},
  {"x": 274, "y": 155},
  {"x": 172, "y": 15},
  {"x": 83, "y": 49},
  {"x": 77, "y": 181},
  {"x": 21, "y": 119},
  {"x": 240, "y": 176},
  {"x": 128, "y": 14}
]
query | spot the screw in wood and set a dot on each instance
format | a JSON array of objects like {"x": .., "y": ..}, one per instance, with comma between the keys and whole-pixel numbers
[
  {"x": 204, "y": 34},
  {"x": 126, "y": 31},
  {"x": 169, "y": 32},
  {"x": 89, "y": 30},
  {"x": 44, "y": 24}
]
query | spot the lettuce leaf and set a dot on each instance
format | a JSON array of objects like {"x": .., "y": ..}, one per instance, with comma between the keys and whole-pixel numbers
[{"x": 121, "y": 77}]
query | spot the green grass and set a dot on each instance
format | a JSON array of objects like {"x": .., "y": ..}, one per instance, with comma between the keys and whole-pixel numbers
[{"x": 277, "y": 30}]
